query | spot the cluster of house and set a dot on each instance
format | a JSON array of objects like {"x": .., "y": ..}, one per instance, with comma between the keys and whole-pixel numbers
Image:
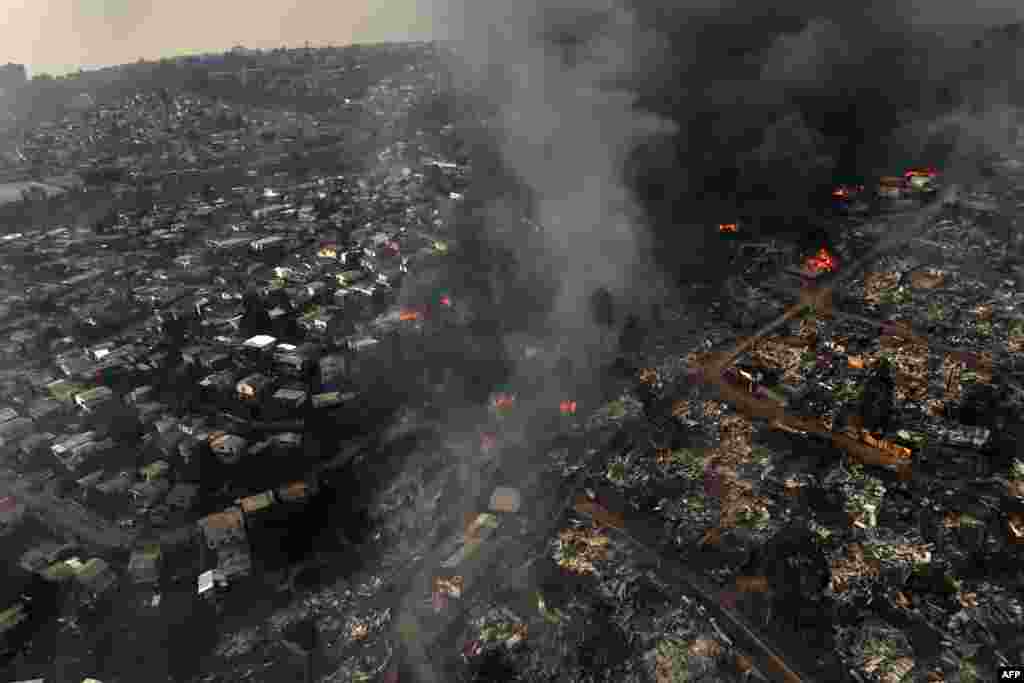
[
  {"x": 134, "y": 347},
  {"x": 228, "y": 533}
]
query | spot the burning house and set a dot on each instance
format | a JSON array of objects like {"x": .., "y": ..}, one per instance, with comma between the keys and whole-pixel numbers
[
  {"x": 225, "y": 534},
  {"x": 229, "y": 448},
  {"x": 892, "y": 187},
  {"x": 251, "y": 387}
]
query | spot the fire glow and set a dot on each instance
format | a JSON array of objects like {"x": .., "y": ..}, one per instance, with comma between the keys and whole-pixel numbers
[
  {"x": 503, "y": 402},
  {"x": 446, "y": 301},
  {"x": 408, "y": 314},
  {"x": 846, "y": 191},
  {"x": 567, "y": 407},
  {"x": 821, "y": 262},
  {"x": 728, "y": 228}
]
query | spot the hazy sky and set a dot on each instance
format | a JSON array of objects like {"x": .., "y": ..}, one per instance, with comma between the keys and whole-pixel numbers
[{"x": 56, "y": 36}]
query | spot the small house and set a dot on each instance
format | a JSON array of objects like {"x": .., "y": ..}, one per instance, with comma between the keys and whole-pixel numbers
[
  {"x": 44, "y": 408},
  {"x": 96, "y": 576},
  {"x": 295, "y": 492},
  {"x": 13, "y": 431},
  {"x": 39, "y": 557},
  {"x": 229, "y": 448},
  {"x": 154, "y": 470},
  {"x": 291, "y": 398},
  {"x": 140, "y": 395},
  {"x": 209, "y": 580},
  {"x": 34, "y": 444},
  {"x": 261, "y": 342},
  {"x": 330, "y": 399},
  {"x": 234, "y": 561},
  {"x": 287, "y": 439},
  {"x": 119, "y": 483},
  {"x": 145, "y": 564},
  {"x": 148, "y": 493},
  {"x": 218, "y": 381},
  {"x": 92, "y": 399},
  {"x": 250, "y": 387},
  {"x": 182, "y": 496},
  {"x": 223, "y": 528},
  {"x": 253, "y": 504}
]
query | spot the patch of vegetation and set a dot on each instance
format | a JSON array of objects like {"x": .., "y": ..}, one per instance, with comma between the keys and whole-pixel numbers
[
  {"x": 501, "y": 631},
  {"x": 312, "y": 312},
  {"x": 879, "y": 551},
  {"x": 617, "y": 471},
  {"x": 552, "y": 615},
  {"x": 895, "y": 296},
  {"x": 761, "y": 455},
  {"x": 673, "y": 662},
  {"x": 951, "y": 584},
  {"x": 1017, "y": 328},
  {"x": 936, "y": 313},
  {"x": 821, "y": 532},
  {"x": 879, "y": 647},
  {"x": 691, "y": 461},
  {"x": 984, "y": 328},
  {"x": 754, "y": 518},
  {"x": 1017, "y": 469},
  {"x": 970, "y": 521},
  {"x": 968, "y": 671},
  {"x": 849, "y": 392},
  {"x": 864, "y": 497},
  {"x": 915, "y": 438},
  {"x": 695, "y": 504},
  {"x": 616, "y": 409}
]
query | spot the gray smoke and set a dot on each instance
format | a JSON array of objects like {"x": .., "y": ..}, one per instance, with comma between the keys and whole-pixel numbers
[{"x": 565, "y": 125}]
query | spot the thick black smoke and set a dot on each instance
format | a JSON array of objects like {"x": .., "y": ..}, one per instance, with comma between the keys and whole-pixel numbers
[
  {"x": 607, "y": 143},
  {"x": 756, "y": 109}
]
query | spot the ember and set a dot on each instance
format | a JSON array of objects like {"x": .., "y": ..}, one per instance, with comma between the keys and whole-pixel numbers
[
  {"x": 567, "y": 407},
  {"x": 921, "y": 172},
  {"x": 439, "y": 601},
  {"x": 847, "y": 191},
  {"x": 446, "y": 300},
  {"x": 488, "y": 442},
  {"x": 728, "y": 227},
  {"x": 503, "y": 402},
  {"x": 821, "y": 262},
  {"x": 408, "y": 314}
]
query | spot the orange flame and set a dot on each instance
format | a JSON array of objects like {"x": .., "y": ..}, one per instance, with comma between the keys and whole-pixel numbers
[
  {"x": 567, "y": 407},
  {"x": 728, "y": 227},
  {"x": 408, "y": 314},
  {"x": 821, "y": 262},
  {"x": 923, "y": 172}
]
